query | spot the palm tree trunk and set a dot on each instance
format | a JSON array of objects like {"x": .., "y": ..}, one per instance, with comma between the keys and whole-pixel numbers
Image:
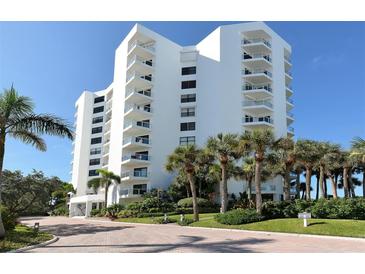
[
  {"x": 317, "y": 187},
  {"x": 334, "y": 187},
  {"x": 193, "y": 194},
  {"x": 308, "y": 177},
  {"x": 363, "y": 183},
  {"x": 297, "y": 183},
  {"x": 346, "y": 182},
  {"x": 287, "y": 184},
  {"x": 325, "y": 187},
  {"x": 258, "y": 187},
  {"x": 223, "y": 190},
  {"x": 249, "y": 189},
  {"x": 106, "y": 195},
  {"x": 2, "y": 152},
  {"x": 187, "y": 191},
  {"x": 321, "y": 178},
  {"x": 351, "y": 185}
]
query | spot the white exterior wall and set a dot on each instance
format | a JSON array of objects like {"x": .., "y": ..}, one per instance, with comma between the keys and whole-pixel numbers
[{"x": 218, "y": 106}]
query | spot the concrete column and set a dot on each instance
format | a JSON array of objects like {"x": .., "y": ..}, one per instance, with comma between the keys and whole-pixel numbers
[{"x": 88, "y": 209}]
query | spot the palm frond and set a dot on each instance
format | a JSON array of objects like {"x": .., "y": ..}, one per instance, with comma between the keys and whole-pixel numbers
[{"x": 29, "y": 138}]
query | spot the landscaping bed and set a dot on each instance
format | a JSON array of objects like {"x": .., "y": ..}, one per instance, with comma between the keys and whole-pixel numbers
[{"x": 22, "y": 236}]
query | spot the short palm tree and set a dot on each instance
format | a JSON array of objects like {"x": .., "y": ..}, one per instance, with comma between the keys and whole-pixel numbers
[
  {"x": 18, "y": 121},
  {"x": 248, "y": 172},
  {"x": 307, "y": 153},
  {"x": 106, "y": 179},
  {"x": 225, "y": 149},
  {"x": 187, "y": 159},
  {"x": 260, "y": 141}
]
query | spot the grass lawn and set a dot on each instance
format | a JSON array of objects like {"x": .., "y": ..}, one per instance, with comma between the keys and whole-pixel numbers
[
  {"x": 22, "y": 236},
  {"x": 174, "y": 218},
  {"x": 348, "y": 228}
]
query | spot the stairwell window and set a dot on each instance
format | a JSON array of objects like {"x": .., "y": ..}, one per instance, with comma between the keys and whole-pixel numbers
[
  {"x": 188, "y": 112},
  {"x": 99, "y": 99},
  {"x": 188, "y": 70},
  {"x": 188, "y": 140},
  {"x": 188, "y": 98},
  {"x": 96, "y": 140},
  {"x": 187, "y": 126},
  {"x": 94, "y": 162},
  {"x": 188, "y": 84},
  {"x": 93, "y": 172},
  {"x": 97, "y": 119},
  {"x": 98, "y": 109},
  {"x": 95, "y": 151},
  {"x": 96, "y": 130}
]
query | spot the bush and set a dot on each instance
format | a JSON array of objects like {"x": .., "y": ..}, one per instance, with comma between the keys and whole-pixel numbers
[
  {"x": 152, "y": 205},
  {"x": 9, "y": 219},
  {"x": 189, "y": 210},
  {"x": 340, "y": 209},
  {"x": 113, "y": 210},
  {"x": 238, "y": 217},
  {"x": 161, "y": 220},
  {"x": 127, "y": 213},
  {"x": 185, "y": 221},
  {"x": 61, "y": 211},
  {"x": 188, "y": 203}
]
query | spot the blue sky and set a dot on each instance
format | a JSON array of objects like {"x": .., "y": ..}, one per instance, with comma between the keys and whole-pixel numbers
[{"x": 53, "y": 62}]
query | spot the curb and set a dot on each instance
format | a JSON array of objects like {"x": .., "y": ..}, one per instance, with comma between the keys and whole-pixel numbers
[{"x": 26, "y": 248}]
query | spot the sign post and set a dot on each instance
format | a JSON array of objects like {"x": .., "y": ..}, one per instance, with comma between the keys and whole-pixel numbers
[{"x": 305, "y": 216}]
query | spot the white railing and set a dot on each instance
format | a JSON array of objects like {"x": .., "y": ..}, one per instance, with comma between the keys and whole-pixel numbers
[
  {"x": 256, "y": 71},
  {"x": 256, "y": 56},
  {"x": 138, "y": 140},
  {"x": 135, "y": 173},
  {"x": 131, "y": 191},
  {"x": 141, "y": 157},
  {"x": 138, "y": 108},
  {"x": 289, "y": 87},
  {"x": 141, "y": 60},
  {"x": 256, "y": 41},
  {"x": 290, "y": 114},
  {"x": 290, "y": 129},
  {"x": 289, "y": 73},
  {"x": 145, "y": 92},
  {"x": 149, "y": 46},
  {"x": 247, "y": 120},
  {"x": 138, "y": 124},
  {"x": 257, "y": 103},
  {"x": 139, "y": 75},
  {"x": 287, "y": 58},
  {"x": 256, "y": 87},
  {"x": 291, "y": 101}
]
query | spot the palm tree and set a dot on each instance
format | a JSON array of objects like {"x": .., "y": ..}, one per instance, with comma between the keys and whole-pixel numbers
[
  {"x": 298, "y": 169},
  {"x": 225, "y": 148},
  {"x": 347, "y": 165},
  {"x": 187, "y": 159},
  {"x": 18, "y": 121},
  {"x": 105, "y": 180},
  {"x": 260, "y": 141},
  {"x": 307, "y": 154},
  {"x": 248, "y": 172},
  {"x": 284, "y": 150},
  {"x": 358, "y": 155}
]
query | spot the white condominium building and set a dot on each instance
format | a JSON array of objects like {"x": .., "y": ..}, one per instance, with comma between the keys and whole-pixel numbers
[{"x": 165, "y": 95}]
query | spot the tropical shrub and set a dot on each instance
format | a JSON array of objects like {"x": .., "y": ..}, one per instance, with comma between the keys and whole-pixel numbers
[
  {"x": 113, "y": 210},
  {"x": 185, "y": 221},
  {"x": 238, "y": 217},
  {"x": 188, "y": 203},
  {"x": 152, "y": 205},
  {"x": 9, "y": 219},
  {"x": 61, "y": 210},
  {"x": 161, "y": 220},
  {"x": 340, "y": 209},
  {"x": 127, "y": 213}
]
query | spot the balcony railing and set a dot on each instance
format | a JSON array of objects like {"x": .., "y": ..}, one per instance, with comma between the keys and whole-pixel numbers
[
  {"x": 256, "y": 87},
  {"x": 257, "y": 103},
  {"x": 141, "y": 140},
  {"x": 256, "y": 56},
  {"x": 141, "y": 60},
  {"x": 139, "y": 75},
  {"x": 289, "y": 87},
  {"x": 256, "y": 41},
  {"x": 257, "y": 119},
  {"x": 291, "y": 101},
  {"x": 287, "y": 58},
  {"x": 141, "y": 157},
  {"x": 256, "y": 71},
  {"x": 145, "y": 92},
  {"x": 290, "y": 129},
  {"x": 131, "y": 191},
  {"x": 135, "y": 173},
  {"x": 289, "y": 73},
  {"x": 138, "y": 124},
  {"x": 149, "y": 46},
  {"x": 290, "y": 114},
  {"x": 138, "y": 108}
]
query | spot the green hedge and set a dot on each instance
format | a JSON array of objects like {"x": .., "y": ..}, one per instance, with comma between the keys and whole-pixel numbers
[
  {"x": 9, "y": 219},
  {"x": 188, "y": 203},
  {"x": 238, "y": 217}
]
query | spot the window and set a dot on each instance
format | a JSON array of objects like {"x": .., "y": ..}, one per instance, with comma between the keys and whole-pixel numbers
[
  {"x": 95, "y": 140},
  {"x": 94, "y": 162},
  {"x": 188, "y": 98},
  {"x": 93, "y": 172},
  {"x": 99, "y": 99},
  {"x": 189, "y": 140},
  {"x": 95, "y": 151},
  {"x": 188, "y": 84},
  {"x": 98, "y": 109},
  {"x": 139, "y": 189},
  {"x": 187, "y": 126},
  {"x": 96, "y": 130},
  {"x": 140, "y": 172},
  {"x": 188, "y": 70},
  {"x": 187, "y": 112},
  {"x": 97, "y": 119}
]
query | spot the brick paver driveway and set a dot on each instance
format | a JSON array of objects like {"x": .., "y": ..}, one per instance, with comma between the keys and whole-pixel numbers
[{"x": 84, "y": 235}]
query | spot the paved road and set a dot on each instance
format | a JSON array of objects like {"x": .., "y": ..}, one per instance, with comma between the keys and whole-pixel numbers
[{"x": 84, "y": 235}]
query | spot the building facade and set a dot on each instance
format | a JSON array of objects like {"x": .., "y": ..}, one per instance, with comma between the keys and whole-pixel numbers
[{"x": 164, "y": 95}]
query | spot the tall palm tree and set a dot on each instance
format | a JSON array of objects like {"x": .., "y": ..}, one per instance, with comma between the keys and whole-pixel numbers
[
  {"x": 225, "y": 148},
  {"x": 187, "y": 159},
  {"x": 358, "y": 154},
  {"x": 284, "y": 150},
  {"x": 248, "y": 172},
  {"x": 298, "y": 169},
  {"x": 307, "y": 154},
  {"x": 18, "y": 121},
  {"x": 105, "y": 181},
  {"x": 348, "y": 163},
  {"x": 260, "y": 141}
]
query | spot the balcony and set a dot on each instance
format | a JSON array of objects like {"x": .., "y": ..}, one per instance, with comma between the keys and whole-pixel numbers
[
  {"x": 136, "y": 127},
  {"x": 131, "y": 193},
  {"x": 288, "y": 76},
  {"x": 287, "y": 62},
  {"x": 257, "y": 107},
  {"x": 138, "y": 96},
  {"x": 289, "y": 90},
  {"x": 136, "y": 143},
  {"x": 138, "y": 80},
  {"x": 136, "y": 160},
  {"x": 256, "y": 45},
  {"x": 257, "y": 76},
  {"x": 142, "y": 49},
  {"x": 258, "y": 122},
  {"x": 289, "y": 104},
  {"x": 136, "y": 63},
  {"x": 290, "y": 131},
  {"x": 257, "y": 92},
  {"x": 257, "y": 60},
  {"x": 137, "y": 112},
  {"x": 134, "y": 175},
  {"x": 289, "y": 118}
]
